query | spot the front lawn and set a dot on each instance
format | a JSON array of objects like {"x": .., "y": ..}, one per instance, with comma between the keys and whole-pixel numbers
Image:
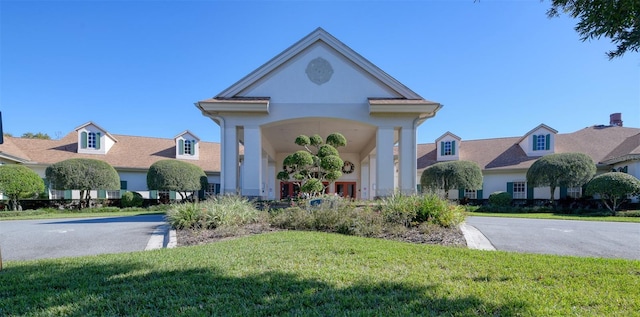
[{"x": 320, "y": 274}]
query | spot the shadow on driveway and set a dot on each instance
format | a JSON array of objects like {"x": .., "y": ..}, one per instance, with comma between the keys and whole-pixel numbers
[{"x": 140, "y": 218}]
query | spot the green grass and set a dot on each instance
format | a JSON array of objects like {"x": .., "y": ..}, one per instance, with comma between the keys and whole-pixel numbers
[
  {"x": 319, "y": 274},
  {"x": 550, "y": 215}
]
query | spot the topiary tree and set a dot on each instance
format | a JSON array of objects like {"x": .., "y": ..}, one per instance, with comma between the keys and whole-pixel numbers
[
  {"x": 131, "y": 199},
  {"x": 318, "y": 162},
  {"x": 561, "y": 170},
  {"x": 18, "y": 181},
  {"x": 178, "y": 176},
  {"x": 83, "y": 174},
  {"x": 613, "y": 188},
  {"x": 500, "y": 199},
  {"x": 452, "y": 175}
]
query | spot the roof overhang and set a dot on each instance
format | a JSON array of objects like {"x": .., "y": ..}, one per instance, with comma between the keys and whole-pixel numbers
[
  {"x": 219, "y": 105},
  {"x": 420, "y": 107},
  {"x": 624, "y": 158}
]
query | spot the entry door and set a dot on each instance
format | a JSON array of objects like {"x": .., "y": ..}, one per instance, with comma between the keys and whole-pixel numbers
[
  {"x": 346, "y": 189},
  {"x": 289, "y": 190}
]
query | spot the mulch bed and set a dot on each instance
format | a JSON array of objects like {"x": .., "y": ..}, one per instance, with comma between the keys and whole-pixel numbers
[{"x": 436, "y": 235}]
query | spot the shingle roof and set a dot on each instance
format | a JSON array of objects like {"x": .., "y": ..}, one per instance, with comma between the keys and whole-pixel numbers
[
  {"x": 133, "y": 152},
  {"x": 599, "y": 142}
]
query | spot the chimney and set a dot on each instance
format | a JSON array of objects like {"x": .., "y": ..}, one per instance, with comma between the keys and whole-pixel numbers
[{"x": 615, "y": 119}]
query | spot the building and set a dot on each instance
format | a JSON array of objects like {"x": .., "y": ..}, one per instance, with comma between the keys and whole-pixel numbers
[
  {"x": 320, "y": 86},
  {"x": 505, "y": 161}
]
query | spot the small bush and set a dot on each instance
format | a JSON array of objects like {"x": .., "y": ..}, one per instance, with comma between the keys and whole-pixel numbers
[
  {"x": 226, "y": 211},
  {"x": 399, "y": 209},
  {"x": 415, "y": 209},
  {"x": 500, "y": 199},
  {"x": 131, "y": 199}
]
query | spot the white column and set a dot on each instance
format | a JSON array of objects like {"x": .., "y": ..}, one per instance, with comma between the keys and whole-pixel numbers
[
  {"x": 252, "y": 176},
  {"x": 384, "y": 161},
  {"x": 407, "y": 158},
  {"x": 229, "y": 168},
  {"x": 365, "y": 187}
]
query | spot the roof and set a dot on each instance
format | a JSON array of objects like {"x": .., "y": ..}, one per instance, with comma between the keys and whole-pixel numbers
[
  {"x": 131, "y": 152},
  {"x": 601, "y": 143}
]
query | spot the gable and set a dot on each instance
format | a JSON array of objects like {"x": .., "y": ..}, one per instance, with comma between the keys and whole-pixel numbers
[
  {"x": 539, "y": 141},
  {"x": 294, "y": 72}
]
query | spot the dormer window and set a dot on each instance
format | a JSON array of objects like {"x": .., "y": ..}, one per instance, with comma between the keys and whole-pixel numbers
[
  {"x": 541, "y": 142},
  {"x": 186, "y": 147},
  {"x": 448, "y": 148},
  {"x": 90, "y": 140}
]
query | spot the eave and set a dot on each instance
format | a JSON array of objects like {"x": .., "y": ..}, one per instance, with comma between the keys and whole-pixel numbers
[{"x": 219, "y": 105}]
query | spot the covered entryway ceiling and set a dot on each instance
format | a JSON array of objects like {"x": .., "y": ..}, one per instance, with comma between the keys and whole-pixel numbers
[{"x": 282, "y": 134}]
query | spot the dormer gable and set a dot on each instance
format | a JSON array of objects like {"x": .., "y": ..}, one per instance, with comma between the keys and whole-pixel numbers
[
  {"x": 539, "y": 141},
  {"x": 92, "y": 139},
  {"x": 187, "y": 146},
  {"x": 448, "y": 147}
]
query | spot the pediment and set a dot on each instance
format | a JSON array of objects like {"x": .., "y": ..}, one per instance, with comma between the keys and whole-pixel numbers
[{"x": 318, "y": 68}]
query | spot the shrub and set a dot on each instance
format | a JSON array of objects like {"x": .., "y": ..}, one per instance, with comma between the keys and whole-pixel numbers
[
  {"x": 131, "y": 199},
  {"x": 399, "y": 209},
  {"x": 221, "y": 211},
  {"x": 500, "y": 199},
  {"x": 408, "y": 210}
]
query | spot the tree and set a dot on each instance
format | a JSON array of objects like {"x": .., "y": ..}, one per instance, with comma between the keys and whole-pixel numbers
[
  {"x": 561, "y": 170},
  {"x": 617, "y": 20},
  {"x": 452, "y": 175},
  {"x": 613, "y": 188},
  {"x": 39, "y": 135},
  {"x": 178, "y": 176},
  {"x": 318, "y": 162},
  {"x": 18, "y": 181},
  {"x": 84, "y": 175}
]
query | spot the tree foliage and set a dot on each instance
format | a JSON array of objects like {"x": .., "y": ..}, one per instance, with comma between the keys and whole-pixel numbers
[
  {"x": 39, "y": 135},
  {"x": 452, "y": 175},
  {"x": 18, "y": 181},
  {"x": 613, "y": 188},
  {"x": 561, "y": 170},
  {"x": 318, "y": 162},
  {"x": 83, "y": 174},
  {"x": 181, "y": 177},
  {"x": 618, "y": 20}
]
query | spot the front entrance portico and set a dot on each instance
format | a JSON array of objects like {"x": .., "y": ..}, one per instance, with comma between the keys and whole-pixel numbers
[{"x": 318, "y": 86}]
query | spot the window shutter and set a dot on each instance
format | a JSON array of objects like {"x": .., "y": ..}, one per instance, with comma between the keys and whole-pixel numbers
[
  {"x": 201, "y": 194},
  {"x": 442, "y": 148},
  {"x": 172, "y": 194},
  {"x": 547, "y": 142},
  {"x": 217, "y": 189},
  {"x": 181, "y": 147},
  {"x": 529, "y": 192},
  {"x": 67, "y": 194},
  {"x": 97, "y": 140},
  {"x": 510, "y": 188},
  {"x": 123, "y": 184},
  {"x": 460, "y": 193},
  {"x": 479, "y": 194},
  {"x": 419, "y": 188},
  {"x": 83, "y": 140},
  {"x": 102, "y": 193},
  {"x": 193, "y": 147},
  {"x": 153, "y": 194},
  {"x": 535, "y": 142},
  {"x": 453, "y": 147}
]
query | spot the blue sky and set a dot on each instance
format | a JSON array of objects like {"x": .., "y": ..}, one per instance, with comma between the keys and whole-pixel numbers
[{"x": 500, "y": 68}]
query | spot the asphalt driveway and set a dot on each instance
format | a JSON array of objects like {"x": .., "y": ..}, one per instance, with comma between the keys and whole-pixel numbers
[
  {"x": 561, "y": 237},
  {"x": 55, "y": 238}
]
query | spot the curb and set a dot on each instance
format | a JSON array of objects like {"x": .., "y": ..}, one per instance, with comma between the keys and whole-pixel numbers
[
  {"x": 162, "y": 237},
  {"x": 475, "y": 239}
]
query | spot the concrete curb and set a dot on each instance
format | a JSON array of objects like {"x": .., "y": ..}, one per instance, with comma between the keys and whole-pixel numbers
[
  {"x": 162, "y": 237},
  {"x": 475, "y": 238}
]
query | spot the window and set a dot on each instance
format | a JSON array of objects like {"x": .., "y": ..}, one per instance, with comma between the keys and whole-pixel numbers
[
  {"x": 447, "y": 148},
  {"x": 113, "y": 194},
  {"x": 187, "y": 147},
  {"x": 519, "y": 190},
  {"x": 92, "y": 140},
  {"x": 57, "y": 194},
  {"x": 470, "y": 194},
  {"x": 541, "y": 142},
  {"x": 574, "y": 192}
]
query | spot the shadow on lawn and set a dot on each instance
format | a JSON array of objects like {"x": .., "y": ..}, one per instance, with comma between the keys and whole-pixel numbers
[{"x": 43, "y": 288}]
